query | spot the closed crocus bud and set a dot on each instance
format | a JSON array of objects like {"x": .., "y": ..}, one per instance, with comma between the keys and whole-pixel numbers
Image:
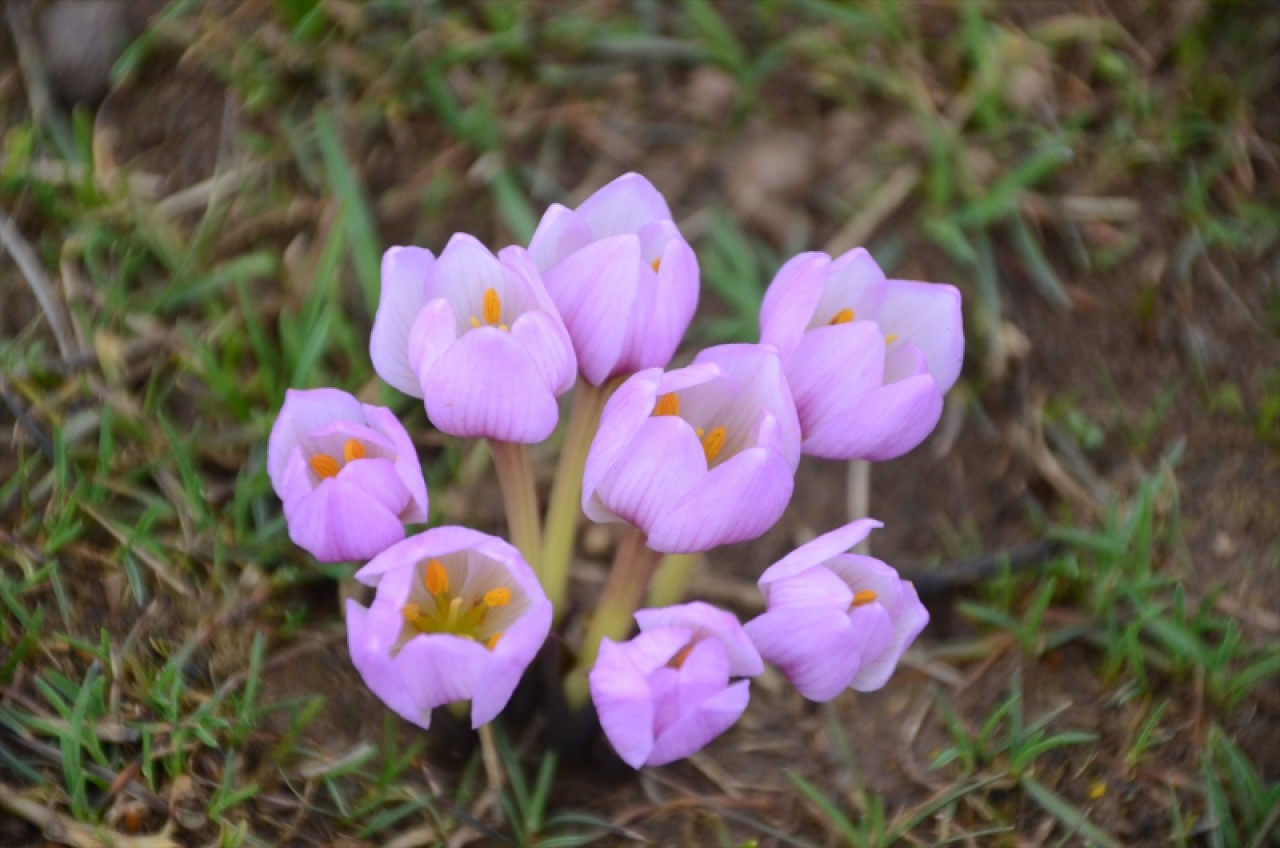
[
  {"x": 624, "y": 279},
  {"x": 868, "y": 359},
  {"x": 668, "y": 692},
  {"x": 347, "y": 472},
  {"x": 458, "y": 616},
  {"x": 836, "y": 620},
  {"x": 699, "y": 456},
  {"x": 476, "y": 337}
]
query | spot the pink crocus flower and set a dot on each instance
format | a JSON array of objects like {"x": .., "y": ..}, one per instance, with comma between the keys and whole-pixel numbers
[
  {"x": 347, "y": 472},
  {"x": 624, "y": 279},
  {"x": 475, "y": 336},
  {"x": 868, "y": 359},
  {"x": 666, "y": 693},
  {"x": 836, "y": 620},
  {"x": 458, "y": 615},
  {"x": 698, "y": 456}
]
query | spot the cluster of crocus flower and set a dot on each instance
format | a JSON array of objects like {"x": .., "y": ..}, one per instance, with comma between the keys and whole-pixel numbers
[{"x": 850, "y": 366}]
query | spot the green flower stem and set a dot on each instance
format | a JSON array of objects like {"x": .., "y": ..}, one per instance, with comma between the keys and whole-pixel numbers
[
  {"x": 633, "y": 568},
  {"x": 519, "y": 496},
  {"x": 858, "y": 498},
  {"x": 565, "y": 505},
  {"x": 672, "y": 579}
]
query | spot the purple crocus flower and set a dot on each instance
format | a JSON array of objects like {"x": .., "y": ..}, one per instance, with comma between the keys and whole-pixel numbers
[
  {"x": 347, "y": 472},
  {"x": 868, "y": 359},
  {"x": 475, "y": 336},
  {"x": 699, "y": 456},
  {"x": 458, "y": 615},
  {"x": 666, "y": 693},
  {"x": 624, "y": 279},
  {"x": 836, "y": 620}
]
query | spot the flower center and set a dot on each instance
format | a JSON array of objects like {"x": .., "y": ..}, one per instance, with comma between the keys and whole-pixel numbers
[
  {"x": 844, "y": 316},
  {"x": 452, "y": 613},
  {"x": 863, "y": 597},
  {"x": 491, "y": 310},
  {"x": 326, "y": 466},
  {"x": 712, "y": 442}
]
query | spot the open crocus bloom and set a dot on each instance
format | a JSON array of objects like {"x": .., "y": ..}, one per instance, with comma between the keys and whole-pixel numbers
[
  {"x": 458, "y": 615},
  {"x": 836, "y": 620},
  {"x": 666, "y": 693},
  {"x": 347, "y": 472},
  {"x": 624, "y": 279},
  {"x": 476, "y": 337},
  {"x": 699, "y": 456},
  {"x": 868, "y": 359}
]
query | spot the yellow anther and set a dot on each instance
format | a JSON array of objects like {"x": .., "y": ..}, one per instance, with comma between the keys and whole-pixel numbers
[
  {"x": 324, "y": 465},
  {"x": 844, "y": 316},
  {"x": 890, "y": 339},
  {"x": 698, "y": 431},
  {"x": 352, "y": 450},
  {"x": 504, "y": 328},
  {"x": 655, "y": 264},
  {"x": 492, "y": 306},
  {"x": 863, "y": 597},
  {"x": 668, "y": 404},
  {"x": 713, "y": 442},
  {"x": 436, "y": 579},
  {"x": 411, "y": 612},
  {"x": 475, "y": 322},
  {"x": 681, "y": 655},
  {"x": 498, "y": 597},
  {"x": 493, "y": 641}
]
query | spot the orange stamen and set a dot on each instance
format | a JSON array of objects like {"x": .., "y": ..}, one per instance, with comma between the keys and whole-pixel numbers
[
  {"x": 668, "y": 404},
  {"x": 499, "y": 597},
  {"x": 844, "y": 316},
  {"x": 352, "y": 450},
  {"x": 713, "y": 442},
  {"x": 890, "y": 339},
  {"x": 324, "y": 465},
  {"x": 493, "y": 641},
  {"x": 436, "y": 579},
  {"x": 492, "y": 307},
  {"x": 863, "y": 597}
]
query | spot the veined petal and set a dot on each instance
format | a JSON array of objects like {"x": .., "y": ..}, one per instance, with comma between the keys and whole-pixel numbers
[
  {"x": 854, "y": 281},
  {"x": 928, "y": 315},
  {"x": 665, "y": 301},
  {"x": 438, "y": 669},
  {"x": 560, "y": 232},
  {"x": 818, "y": 551},
  {"x": 624, "y": 413},
  {"x": 507, "y": 662},
  {"x": 891, "y": 421},
  {"x": 831, "y": 372},
  {"x": 791, "y": 300},
  {"x": 812, "y": 588},
  {"x": 407, "y": 464},
  {"x": 486, "y": 385},
  {"x": 621, "y": 696},
  {"x": 594, "y": 290},
  {"x": 876, "y": 671},
  {"x": 623, "y": 206},
  {"x": 861, "y": 573},
  {"x": 433, "y": 331},
  {"x": 338, "y": 522},
  {"x": 735, "y": 501},
  {"x": 379, "y": 481},
  {"x": 815, "y": 649},
  {"x": 698, "y": 726},
  {"x": 304, "y": 412},
  {"x": 370, "y": 636},
  {"x": 404, "y": 274},
  {"x": 544, "y": 339},
  {"x": 663, "y": 460},
  {"x": 703, "y": 619},
  {"x": 462, "y": 274}
]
